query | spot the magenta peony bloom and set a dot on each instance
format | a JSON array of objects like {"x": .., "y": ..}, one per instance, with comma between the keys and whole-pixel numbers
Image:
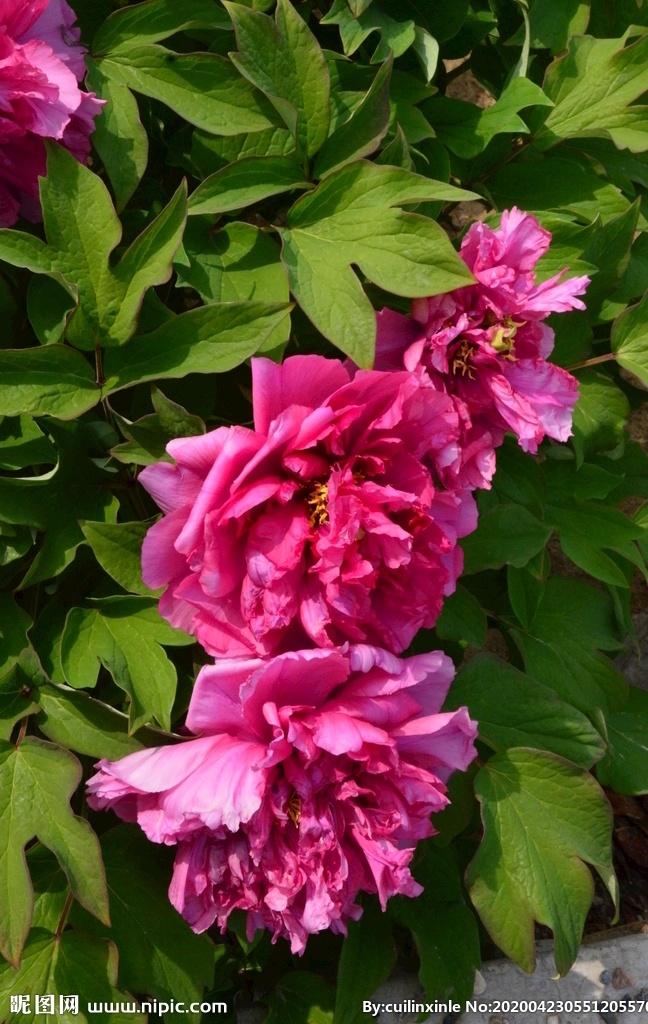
[
  {"x": 321, "y": 525},
  {"x": 314, "y": 777},
  {"x": 486, "y": 345},
  {"x": 41, "y": 65}
]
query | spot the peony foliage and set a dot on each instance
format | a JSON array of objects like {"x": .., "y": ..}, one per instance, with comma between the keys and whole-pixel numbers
[{"x": 322, "y": 509}]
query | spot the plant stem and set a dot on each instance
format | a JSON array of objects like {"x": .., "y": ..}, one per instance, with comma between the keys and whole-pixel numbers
[
  {"x": 593, "y": 362},
  {"x": 66, "y": 910}
]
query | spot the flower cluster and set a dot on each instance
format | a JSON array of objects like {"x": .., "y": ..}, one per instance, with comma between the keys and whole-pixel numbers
[
  {"x": 305, "y": 554},
  {"x": 487, "y": 347},
  {"x": 41, "y": 66}
]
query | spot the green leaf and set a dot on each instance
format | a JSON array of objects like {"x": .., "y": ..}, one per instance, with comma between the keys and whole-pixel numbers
[
  {"x": 16, "y": 686},
  {"x": 118, "y": 549},
  {"x": 395, "y": 36},
  {"x": 445, "y": 930},
  {"x": 426, "y": 49},
  {"x": 586, "y": 529},
  {"x": 23, "y": 443},
  {"x": 364, "y": 130},
  {"x": 119, "y": 136},
  {"x": 301, "y": 998},
  {"x": 82, "y": 230},
  {"x": 283, "y": 59},
  {"x": 154, "y": 21},
  {"x": 72, "y": 963},
  {"x": 123, "y": 634},
  {"x": 147, "y": 441},
  {"x": 625, "y": 769},
  {"x": 544, "y": 820},
  {"x": 462, "y": 618},
  {"x": 524, "y": 714},
  {"x": 609, "y": 249},
  {"x": 592, "y": 87},
  {"x": 350, "y": 219},
  {"x": 560, "y": 650},
  {"x": 367, "y": 958},
  {"x": 552, "y": 25},
  {"x": 48, "y": 308},
  {"x": 202, "y": 88},
  {"x": 159, "y": 954},
  {"x": 630, "y": 339},
  {"x": 75, "y": 720},
  {"x": 48, "y": 381},
  {"x": 467, "y": 129},
  {"x": 600, "y": 415},
  {"x": 54, "y": 503},
  {"x": 14, "y": 623},
  {"x": 211, "y": 339},
  {"x": 246, "y": 182},
  {"x": 506, "y": 535},
  {"x": 38, "y": 780},
  {"x": 550, "y": 182}
]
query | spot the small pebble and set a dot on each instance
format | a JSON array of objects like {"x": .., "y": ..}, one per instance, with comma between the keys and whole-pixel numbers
[
  {"x": 480, "y": 983},
  {"x": 553, "y": 1018},
  {"x": 605, "y": 977},
  {"x": 620, "y": 979}
]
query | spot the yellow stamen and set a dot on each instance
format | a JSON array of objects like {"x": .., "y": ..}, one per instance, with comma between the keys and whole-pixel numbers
[
  {"x": 317, "y": 501},
  {"x": 294, "y": 809},
  {"x": 460, "y": 362}
]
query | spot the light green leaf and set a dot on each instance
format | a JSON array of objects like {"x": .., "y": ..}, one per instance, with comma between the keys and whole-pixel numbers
[
  {"x": 203, "y": 88},
  {"x": 48, "y": 381},
  {"x": 38, "y": 780},
  {"x": 367, "y": 958},
  {"x": 154, "y": 21},
  {"x": 426, "y": 49},
  {"x": 118, "y": 549},
  {"x": 625, "y": 769},
  {"x": 54, "y": 503},
  {"x": 395, "y": 36},
  {"x": 123, "y": 634},
  {"x": 119, "y": 136},
  {"x": 159, "y": 954},
  {"x": 211, "y": 339},
  {"x": 210, "y": 153},
  {"x": 77, "y": 721},
  {"x": 246, "y": 182},
  {"x": 283, "y": 59},
  {"x": 544, "y": 821},
  {"x": 350, "y": 219},
  {"x": 592, "y": 86},
  {"x": 364, "y": 130},
  {"x": 467, "y": 129},
  {"x": 630, "y": 340},
  {"x": 72, "y": 963},
  {"x": 524, "y": 714}
]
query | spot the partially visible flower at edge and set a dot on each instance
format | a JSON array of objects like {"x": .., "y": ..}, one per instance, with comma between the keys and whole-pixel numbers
[
  {"x": 315, "y": 775},
  {"x": 487, "y": 347},
  {"x": 323, "y": 524},
  {"x": 41, "y": 66}
]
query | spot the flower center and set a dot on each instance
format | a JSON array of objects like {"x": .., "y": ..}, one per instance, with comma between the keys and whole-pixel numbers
[
  {"x": 293, "y": 808},
  {"x": 460, "y": 362},
  {"x": 317, "y": 501},
  {"x": 503, "y": 339}
]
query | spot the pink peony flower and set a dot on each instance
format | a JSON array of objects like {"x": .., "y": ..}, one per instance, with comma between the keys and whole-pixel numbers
[
  {"x": 486, "y": 345},
  {"x": 320, "y": 525},
  {"x": 314, "y": 776},
  {"x": 41, "y": 65}
]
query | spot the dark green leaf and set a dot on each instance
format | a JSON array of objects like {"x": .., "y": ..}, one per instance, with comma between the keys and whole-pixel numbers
[
  {"x": 630, "y": 340},
  {"x": 367, "y": 958},
  {"x": 505, "y": 535},
  {"x": 153, "y": 21},
  {"x": 625, "y": 769},
  {"x": 363, "y": 132},
  {"x": 525, "y": 713},
  {"x": 462, "y": 618},
  {"x": 118, "y": 549}
]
